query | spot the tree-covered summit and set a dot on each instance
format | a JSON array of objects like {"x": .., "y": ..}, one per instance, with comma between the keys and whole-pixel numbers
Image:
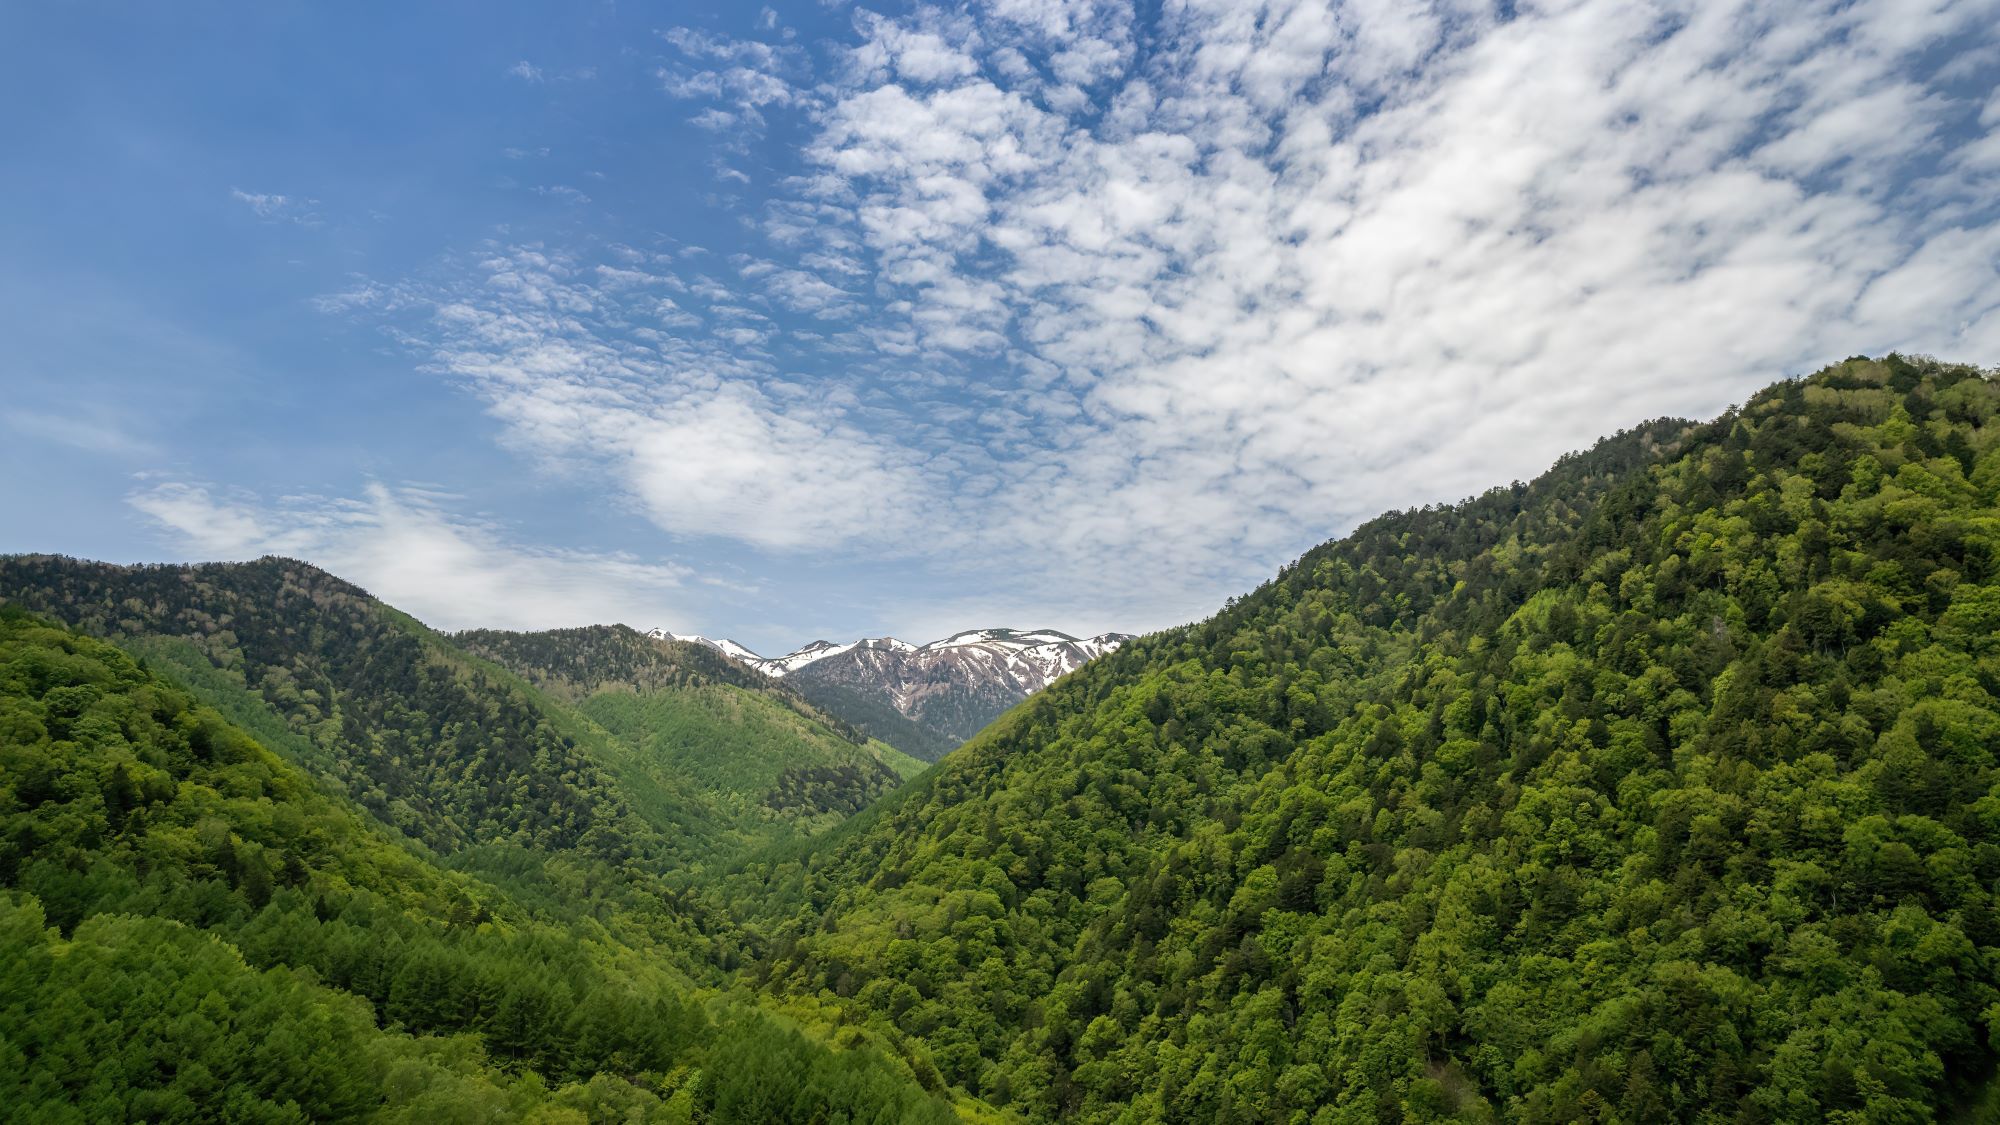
[
  {"x": 578, "y": 662},
  {"x": 192, "y": 930},
  {"x": 1660, "y": 788},
  {"x": 687, "y": 715},
  {"x": 428, "y": 741}
]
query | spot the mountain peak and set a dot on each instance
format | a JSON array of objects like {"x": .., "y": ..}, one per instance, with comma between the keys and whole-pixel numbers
[{"x": 923, "y": 699}]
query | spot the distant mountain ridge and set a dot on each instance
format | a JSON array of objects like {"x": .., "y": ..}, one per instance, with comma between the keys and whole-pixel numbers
[
  {"x": 597, "y": 741},
  {"x": 923, "y": 699},
  {"x": 1055, "y": 652},
  {"x": 203, "y": 917},
  {"x": 753, "y": 745}
]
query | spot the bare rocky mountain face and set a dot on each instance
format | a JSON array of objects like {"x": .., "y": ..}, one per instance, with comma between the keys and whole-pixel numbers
[{"x": 925, "y": 699}]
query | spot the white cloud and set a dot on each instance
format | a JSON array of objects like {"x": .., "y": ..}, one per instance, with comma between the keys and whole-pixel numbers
[
  {"x": 272, "y": 207},
  {"x": 940, "y": 50},
  {"x": 94, "y": 428},
  {"x": 264, "y": 204},
  {"x": 747, "y": 75},
  {"x": 1127, "y": 328},
  {"x": 534, "y": 75},
  {"x": 1318, "y": 260},
  {"x": 801, "y": 290},
  {"x": 403, "y": 546},
  {"x": 565, "y": 193},
  {"x": 720, "y": 48},
  {"x": 592, "y": 370}
]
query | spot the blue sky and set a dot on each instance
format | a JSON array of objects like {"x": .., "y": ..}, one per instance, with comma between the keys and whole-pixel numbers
[{"x": 830, "y": 320}]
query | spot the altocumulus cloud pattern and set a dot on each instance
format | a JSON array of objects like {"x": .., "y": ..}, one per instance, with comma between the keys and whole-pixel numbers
[{"x": 1057, "y": 296}]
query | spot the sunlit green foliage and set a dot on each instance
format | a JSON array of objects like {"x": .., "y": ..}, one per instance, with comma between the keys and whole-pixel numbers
[
  {"x": 574, "y": 664},
  {"x": 759, "y": 751},
  {"x": 428, "y": 740},
  {"x": 1660, "y": 789},
  {"x": 191, "y": 930}
]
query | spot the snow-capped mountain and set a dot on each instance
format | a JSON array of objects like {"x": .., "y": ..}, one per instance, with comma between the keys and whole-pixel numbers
[
  {"x": 924, "y": 699},
  {"x": 725, "y": 646}
]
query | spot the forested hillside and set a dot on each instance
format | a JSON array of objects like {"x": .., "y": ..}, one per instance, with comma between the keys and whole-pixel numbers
[
  {"x": 430, "y": 742},
  {"x": 747, "y": 742},
  {"x": 191, "y": 930},
  {"x": 650, "y": 759},
  {"x": 574, "y": 664},
  {"x": 1661, "y": 788},
  {"x": 880, "y": 719}
]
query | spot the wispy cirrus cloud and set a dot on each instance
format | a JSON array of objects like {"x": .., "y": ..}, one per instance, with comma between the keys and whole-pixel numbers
[
  {"x": 405, "y": 546},
  {"x": 274, "y": 207},
  {"x": 1125, "y": 309},
  {"x": 535, "y": 75},
  {"x": 94, "y": 428},
  {"x": 602, "y": 369},
  {"x": 564, "y": 193}
]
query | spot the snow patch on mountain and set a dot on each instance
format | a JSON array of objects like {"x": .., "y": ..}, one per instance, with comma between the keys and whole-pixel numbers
[
  {"x": 1040, "y": 654},
  {"x": 949, "y": 688},
  {"x": 725, "y": 646}
]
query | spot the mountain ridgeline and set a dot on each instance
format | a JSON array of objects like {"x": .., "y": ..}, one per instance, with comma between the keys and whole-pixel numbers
[
  {"x": 192, "y": 930},
  {"x": 443, "y": 748},
  {"x": 925, "y": 699},
  {"x": 747, "y": 742},
  {"x": 1661, "y": 788}
]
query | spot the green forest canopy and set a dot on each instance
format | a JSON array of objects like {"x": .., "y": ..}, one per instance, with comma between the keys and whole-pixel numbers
[
  {"x": 194, "y": 932},
  {"x": 1660, "y": 788}
]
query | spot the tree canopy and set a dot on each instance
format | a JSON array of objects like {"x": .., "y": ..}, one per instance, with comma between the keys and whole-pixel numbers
[
  {"x": 1661, "y": 788},
  {"x": 191, "y": 929}
]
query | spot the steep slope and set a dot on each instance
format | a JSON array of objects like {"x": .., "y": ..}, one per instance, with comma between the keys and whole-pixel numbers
[
  {"x": 190, "y": 929},
  {"x": 953, "y": 687},
  {"x": 1662, "y": 788},
  {"x": 574, "y": 664},
  {"x": 751, "y": 744},
  {"x": 452, "y": 752},
  {"x": 924, "y": 699},
  {"x": 869, "y": 709}
]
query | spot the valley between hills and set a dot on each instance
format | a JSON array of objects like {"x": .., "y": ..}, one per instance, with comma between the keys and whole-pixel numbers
[{"x": 1662, "y": 787}]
